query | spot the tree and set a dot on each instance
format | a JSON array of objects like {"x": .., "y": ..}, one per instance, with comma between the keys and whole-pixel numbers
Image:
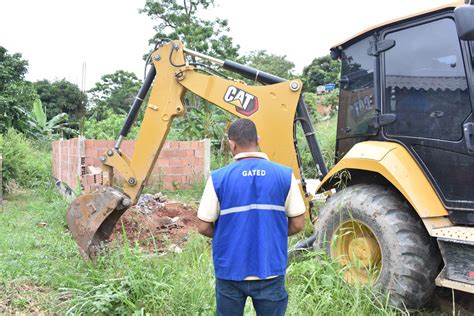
[
  {"x": 108, "y": 128},
  {"x": 16, "y": 94},
  {"x": 44, "y": 129},
  {"x": 62, "y": 96},
  {"x": 113, "y": 92},
  {"x": 274, "y": 64},
  {"x": 322, "y": 70},
  {"x": 178, "y": 19}
]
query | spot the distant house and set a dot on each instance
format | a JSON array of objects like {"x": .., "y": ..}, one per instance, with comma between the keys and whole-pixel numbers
[{"x": 325, "y": 88}]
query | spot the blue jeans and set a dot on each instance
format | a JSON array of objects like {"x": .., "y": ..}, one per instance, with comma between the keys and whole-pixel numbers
[{"x": 269, "y": 297}]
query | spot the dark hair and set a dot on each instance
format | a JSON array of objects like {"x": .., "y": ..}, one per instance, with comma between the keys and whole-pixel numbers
[{"x": 243, "y": 132}]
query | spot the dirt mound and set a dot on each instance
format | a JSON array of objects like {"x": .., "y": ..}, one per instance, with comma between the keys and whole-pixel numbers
[{"x": 156, "y": 224}]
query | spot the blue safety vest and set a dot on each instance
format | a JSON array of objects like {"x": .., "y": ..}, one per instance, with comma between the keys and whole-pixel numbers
[{"x": 251, "y": 233}]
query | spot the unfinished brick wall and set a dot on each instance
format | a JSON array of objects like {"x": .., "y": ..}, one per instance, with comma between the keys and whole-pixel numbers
[{"x": 179, "y": 165}]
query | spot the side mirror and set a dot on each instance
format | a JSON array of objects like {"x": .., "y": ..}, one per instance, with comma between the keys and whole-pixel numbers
[
  {"x": 335, "y": 53},
  {"x": 464, "y": 16}
]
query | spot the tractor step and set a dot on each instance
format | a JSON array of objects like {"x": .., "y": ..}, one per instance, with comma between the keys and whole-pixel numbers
[
  {"x": 457, "y": 249},
  {"x": 443, "y": 281}
]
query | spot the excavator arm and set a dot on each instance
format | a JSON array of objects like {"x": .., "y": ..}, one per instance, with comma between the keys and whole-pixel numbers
[{"x": 274, "y": 107}]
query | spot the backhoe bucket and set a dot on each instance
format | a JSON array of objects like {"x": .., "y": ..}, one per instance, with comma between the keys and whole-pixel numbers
[{"x": 91, "y": 218}]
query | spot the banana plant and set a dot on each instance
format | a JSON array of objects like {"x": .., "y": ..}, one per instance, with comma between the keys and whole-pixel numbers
[{"x": 41, "y": 127}]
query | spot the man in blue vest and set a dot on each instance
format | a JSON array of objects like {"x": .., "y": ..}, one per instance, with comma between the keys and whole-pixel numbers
[{"x": 249, "y": 208}]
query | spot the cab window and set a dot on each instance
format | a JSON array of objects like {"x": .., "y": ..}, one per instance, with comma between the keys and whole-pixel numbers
[
  {"x": 356, "y": 100},
  {"x": 425, "y": 82}
]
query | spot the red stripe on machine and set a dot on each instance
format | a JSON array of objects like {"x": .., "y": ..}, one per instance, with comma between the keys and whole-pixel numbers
[{"x": 471, "y": 274}]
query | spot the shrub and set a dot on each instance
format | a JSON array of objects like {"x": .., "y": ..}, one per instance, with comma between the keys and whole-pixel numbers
[
  {"x": 109, "y": 128},
  {"x": 326, "y": 137},
  {"x": 330, "y": 99},
  {"x": 22, "y": 164}
]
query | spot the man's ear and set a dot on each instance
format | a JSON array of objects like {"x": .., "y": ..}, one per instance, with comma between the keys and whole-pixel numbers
[
  {"x": 258, "y": 141},
  {"x": 232, "y": 146}
]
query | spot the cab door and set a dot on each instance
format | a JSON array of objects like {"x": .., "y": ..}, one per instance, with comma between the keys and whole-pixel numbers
[{"x": 425, "y": 84}]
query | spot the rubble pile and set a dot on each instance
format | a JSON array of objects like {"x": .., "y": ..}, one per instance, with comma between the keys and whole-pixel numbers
[
  {"x": 149, "y": 203},
  {"x": 156, "y": 224}
]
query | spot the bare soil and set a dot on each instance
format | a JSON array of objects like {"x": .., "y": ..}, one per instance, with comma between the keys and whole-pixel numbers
[{"x": 167, "y": 226}]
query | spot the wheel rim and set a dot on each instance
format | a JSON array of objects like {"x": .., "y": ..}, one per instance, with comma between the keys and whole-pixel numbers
[{"x": 356, "y": 248}]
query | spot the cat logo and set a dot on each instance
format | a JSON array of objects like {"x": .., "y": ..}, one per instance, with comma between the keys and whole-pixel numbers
[{"x": 244, "y": 102}]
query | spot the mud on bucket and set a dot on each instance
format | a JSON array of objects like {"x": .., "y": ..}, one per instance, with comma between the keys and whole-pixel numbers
[{"x": 91, "y": 218}]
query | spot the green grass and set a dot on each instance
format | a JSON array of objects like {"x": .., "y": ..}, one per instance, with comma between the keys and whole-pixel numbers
[
  {"x": 326, "y": 137},
  {"x": 190, "y": 196},
  {"x": 41, "y": 270}
]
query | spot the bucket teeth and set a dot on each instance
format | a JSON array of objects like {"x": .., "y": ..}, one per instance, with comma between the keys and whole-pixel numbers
[{"x": 91, "y": 218}]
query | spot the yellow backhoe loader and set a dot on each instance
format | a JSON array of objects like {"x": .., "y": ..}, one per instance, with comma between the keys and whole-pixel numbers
[{"x": 400, "y": 207}]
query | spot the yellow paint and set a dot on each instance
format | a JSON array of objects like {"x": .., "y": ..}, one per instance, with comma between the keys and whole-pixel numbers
[
  {"x": 401, "y": 19},
  {"x": 395, "y": 164},
  {"x": 164, "y": 104},
  {"x": 274, "y": 118},
  {"x": 121, "y": 162},
  {"x": 356, "y": 248}
]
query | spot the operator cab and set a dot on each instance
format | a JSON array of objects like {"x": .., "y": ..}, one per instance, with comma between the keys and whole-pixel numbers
[{"x": 411, "y": 81}]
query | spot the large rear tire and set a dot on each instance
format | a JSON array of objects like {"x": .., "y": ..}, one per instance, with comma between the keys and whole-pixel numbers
[{"x": 379, "y": 239}]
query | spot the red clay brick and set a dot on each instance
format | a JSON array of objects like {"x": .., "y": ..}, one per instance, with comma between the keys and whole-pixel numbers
[
  {"x": 90, "y": 152},
  {"x": 127, "y": 146},
  {"x": 166, "y": 170},
  {"x": 180, "y": 153},
  {"x": 178, "y": 179},
  {"x": 163, "y": 162},
  {"x": 110, "y": 143},
  {"x": 168, "y": 186},
  {"x": 199, "y": 153},
  {"x": 177, "y": 170},
  {"x": 192, "y": 161},
  {"x": 196, "y": 175},
  {"x": 89, "y": 143},
  {"x": 102, "y": 143},
  {"x": 167, "y": 178},
  {"x": 184, "y": 145},
  {"x": 185, "y": 163},
  {"x": 187, "y": 171},
  {"x": 167, "y": 154},
  {"x": 179, "y": 162},
  {"x": 175, "y": 162}
]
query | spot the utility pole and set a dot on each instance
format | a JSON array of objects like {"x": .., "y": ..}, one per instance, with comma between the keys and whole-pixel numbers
[{"x": 83, "y": 98}]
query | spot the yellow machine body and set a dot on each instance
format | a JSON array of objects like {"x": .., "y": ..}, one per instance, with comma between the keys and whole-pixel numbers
[
  {"x": 274, "y": 112},
  {"x": 393, "y": 162},
  {"x": 275, "y": 107}
]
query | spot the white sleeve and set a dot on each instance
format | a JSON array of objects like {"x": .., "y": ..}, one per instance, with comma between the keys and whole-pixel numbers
[
  {"x": 294, "y": 204},
  {"x": 209, "y": 207}
]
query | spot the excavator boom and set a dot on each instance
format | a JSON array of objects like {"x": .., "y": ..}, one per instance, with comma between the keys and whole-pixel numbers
[{"x": 275, "y": 106}]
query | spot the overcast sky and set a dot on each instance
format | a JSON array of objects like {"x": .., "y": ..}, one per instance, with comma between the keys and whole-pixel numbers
[{"x": 58, "y": 36}]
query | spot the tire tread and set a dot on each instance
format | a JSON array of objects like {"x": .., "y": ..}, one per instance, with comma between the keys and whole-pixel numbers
[{"x": 411, "y": 282}]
